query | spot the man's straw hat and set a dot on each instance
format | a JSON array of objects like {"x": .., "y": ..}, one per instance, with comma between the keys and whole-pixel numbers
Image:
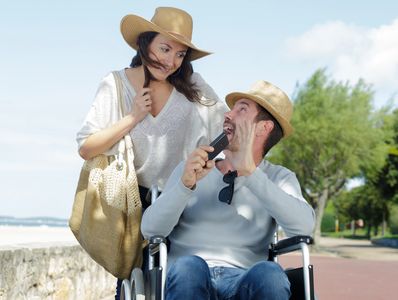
[{"x": 272, "y": 98}]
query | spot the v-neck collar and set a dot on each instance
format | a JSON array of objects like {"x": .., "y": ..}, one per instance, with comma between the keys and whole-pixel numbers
[
  {"x": 149, "y": 115},
  {"x": 164, "y": 108}
]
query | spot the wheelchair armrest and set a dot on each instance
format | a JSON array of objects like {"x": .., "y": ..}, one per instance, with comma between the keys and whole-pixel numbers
[
  {"x": 290, "y": 244},
  {"x": 157, "y": 239},
  {"x": 154, "y": 244}
]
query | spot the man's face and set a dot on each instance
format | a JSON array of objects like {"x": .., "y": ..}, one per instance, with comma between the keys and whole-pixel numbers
[{"x": 244, "y": 109}]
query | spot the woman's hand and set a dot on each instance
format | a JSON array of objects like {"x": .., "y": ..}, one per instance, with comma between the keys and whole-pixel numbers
[
  {"x": 197, "y": 166},
  {"x": 142, "y": 104},
  {"x": 104, "y": 139}
]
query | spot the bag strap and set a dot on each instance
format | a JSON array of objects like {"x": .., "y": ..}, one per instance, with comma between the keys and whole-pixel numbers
[
  {"x": 126, "y": 153},
  {"x": 125, "y": 143},
  {"x": 119, "y": 91}
]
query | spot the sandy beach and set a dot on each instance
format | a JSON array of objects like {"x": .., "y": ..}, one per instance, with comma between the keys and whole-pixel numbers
[
  {"x": 17, "y": 236},
  {"x": 36, "y": 236}
]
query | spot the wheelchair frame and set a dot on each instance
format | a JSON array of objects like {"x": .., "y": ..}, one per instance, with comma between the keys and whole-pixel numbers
[{"x": 151, "y": 285}]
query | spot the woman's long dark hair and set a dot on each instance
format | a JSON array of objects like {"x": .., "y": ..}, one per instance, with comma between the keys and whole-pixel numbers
[{"x": 180, "y": 79}]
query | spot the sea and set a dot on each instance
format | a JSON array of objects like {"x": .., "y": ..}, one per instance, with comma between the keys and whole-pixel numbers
[{"x": 33, "y": 221}]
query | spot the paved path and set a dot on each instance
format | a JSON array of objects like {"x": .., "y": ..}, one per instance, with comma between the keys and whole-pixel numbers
[
  {"x": 352, "y": 269},
  {"x": 344, "y": 269},
  {"x": 358, "y": 249}
]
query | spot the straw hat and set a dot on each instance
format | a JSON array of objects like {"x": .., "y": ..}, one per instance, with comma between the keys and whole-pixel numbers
[
  {"x": 171, "y": 22},
  {"x": 272, "y": 98}
]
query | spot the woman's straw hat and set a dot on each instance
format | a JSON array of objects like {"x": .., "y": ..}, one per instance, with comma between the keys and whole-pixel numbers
[
  {"x": 272, "y": 98},
  {"x": 171, "y": 22}
]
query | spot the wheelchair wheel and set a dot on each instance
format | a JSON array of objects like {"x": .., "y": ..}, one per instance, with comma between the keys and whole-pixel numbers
[
  {"x": 137, "y": 285},
  {"x": 125, "y": 293}
]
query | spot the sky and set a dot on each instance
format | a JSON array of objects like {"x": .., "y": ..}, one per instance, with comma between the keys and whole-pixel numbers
[{"x": 53, "y": 55}]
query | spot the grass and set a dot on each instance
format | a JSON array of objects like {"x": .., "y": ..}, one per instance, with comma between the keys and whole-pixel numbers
[
  {"x": 360, "y": 234},
  {"x": 387, "y": 236}
]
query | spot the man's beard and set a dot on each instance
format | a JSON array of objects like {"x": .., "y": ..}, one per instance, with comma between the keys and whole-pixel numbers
[{"x": 233, "y": 145}]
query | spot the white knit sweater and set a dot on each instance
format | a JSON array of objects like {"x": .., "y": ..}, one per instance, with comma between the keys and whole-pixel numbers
[{"x": 160, "y": 142}]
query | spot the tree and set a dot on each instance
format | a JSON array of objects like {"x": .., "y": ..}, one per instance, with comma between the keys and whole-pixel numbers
[
  {"x": 337, "y": 136},
  {"x": 363, "y": 202},
  {"x": 387, "y": 180},
  {"x": 346, "y": 208}
]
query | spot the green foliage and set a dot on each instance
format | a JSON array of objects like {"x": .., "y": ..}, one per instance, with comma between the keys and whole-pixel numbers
[
  {"x": 393, "y": 222},
  {"x": 330, "y": 208},
  {"x": 347, "y": 234},
  {"x": 371, "y": 206},
  {"x": 364, "y": 202},
  {"x": 337, "y": 136},
  {"x": 346, "y": 205},
  {"x": 387, "y": 179},
  {"x": 372, "y": 201},
  {"x": 328, "y": 222}
]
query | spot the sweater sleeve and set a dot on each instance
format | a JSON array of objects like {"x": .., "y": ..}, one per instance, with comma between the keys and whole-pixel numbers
[
  {"x": 163, "y": 215},
  {"x": 103, "y": 112},
  {"x": 283, "y": 201}
]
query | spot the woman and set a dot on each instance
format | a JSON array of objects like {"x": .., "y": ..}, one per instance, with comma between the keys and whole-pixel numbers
[{"x": 171, "y": 109}]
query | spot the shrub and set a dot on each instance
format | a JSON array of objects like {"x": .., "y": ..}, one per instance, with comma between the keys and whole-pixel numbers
[
  {"x": 393, "y": 222},
  {"x": 328, "y": 222}
]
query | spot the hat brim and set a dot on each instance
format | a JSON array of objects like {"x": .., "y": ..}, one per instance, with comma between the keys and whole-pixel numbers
[
  {"x": 231, "y": 98},
  {"x": 132, "y": 26}
]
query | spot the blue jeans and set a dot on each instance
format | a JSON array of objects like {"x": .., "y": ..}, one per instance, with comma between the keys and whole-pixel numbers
[{"x": 191, "y": 278}]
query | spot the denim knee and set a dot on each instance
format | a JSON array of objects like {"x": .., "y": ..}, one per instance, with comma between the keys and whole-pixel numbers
[
  {"x": 266, "y": 280},
  {"x": 188, "y": 278},
  {"x": 191, "y": 268}
]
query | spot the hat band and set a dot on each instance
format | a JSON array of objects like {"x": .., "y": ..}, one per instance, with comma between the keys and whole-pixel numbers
[{"x": 179, "y": 36}]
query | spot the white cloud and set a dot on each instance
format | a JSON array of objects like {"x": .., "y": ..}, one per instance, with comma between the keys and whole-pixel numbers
[
  {"x": 351, "y": 52},
  {"x": 324, "y": 40}
]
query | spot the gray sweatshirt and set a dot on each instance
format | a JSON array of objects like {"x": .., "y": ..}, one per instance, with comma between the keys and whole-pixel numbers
[{"x": 235, "y": 235}]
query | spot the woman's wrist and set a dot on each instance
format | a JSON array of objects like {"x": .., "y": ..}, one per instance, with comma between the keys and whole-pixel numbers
[{"x": 131, "y": 122}]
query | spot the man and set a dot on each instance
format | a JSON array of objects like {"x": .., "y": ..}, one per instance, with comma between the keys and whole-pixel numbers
[{"x": 220, "y": 226}]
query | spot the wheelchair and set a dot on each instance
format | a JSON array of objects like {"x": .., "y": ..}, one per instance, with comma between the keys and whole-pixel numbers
[{"x": 150, "y": 284}]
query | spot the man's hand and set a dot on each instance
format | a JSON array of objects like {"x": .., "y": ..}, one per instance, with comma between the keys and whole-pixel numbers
[
  {"x": 197, "y": 166},
  {"x": 242, "y": 159}
]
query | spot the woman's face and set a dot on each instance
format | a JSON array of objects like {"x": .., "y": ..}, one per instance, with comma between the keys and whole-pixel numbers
[{"x": 168, "y": 53}]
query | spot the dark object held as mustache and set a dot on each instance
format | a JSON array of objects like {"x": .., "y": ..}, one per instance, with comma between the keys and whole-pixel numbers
[{"x": 219, "y": 145}]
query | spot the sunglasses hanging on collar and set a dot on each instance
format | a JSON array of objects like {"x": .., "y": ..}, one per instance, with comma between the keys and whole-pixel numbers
[{"x": 227, "y": 192}]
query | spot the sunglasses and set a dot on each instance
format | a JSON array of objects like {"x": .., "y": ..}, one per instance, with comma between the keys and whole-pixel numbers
[{"x": 227, "y": 192}]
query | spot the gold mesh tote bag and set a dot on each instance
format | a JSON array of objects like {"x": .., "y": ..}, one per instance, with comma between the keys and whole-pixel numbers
[{"x": 106, "y": 213}]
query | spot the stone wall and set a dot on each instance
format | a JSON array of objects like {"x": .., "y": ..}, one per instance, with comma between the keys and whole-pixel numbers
[{"x": 62, "y": 271}]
